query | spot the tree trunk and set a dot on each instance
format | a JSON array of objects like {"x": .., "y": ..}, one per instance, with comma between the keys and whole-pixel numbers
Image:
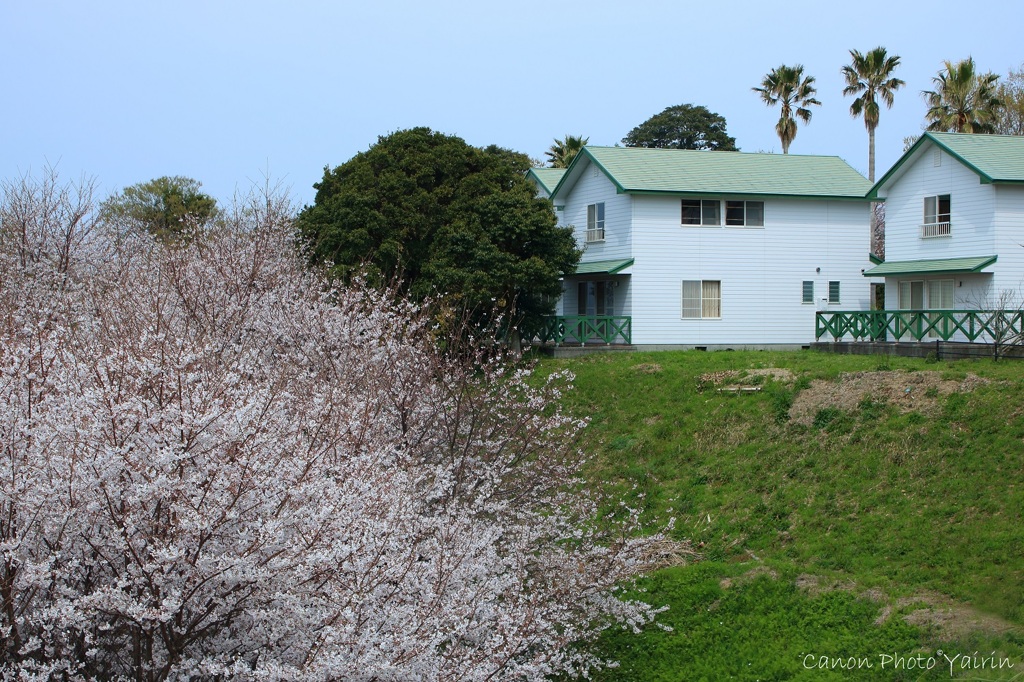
[{"x": 871, "y": 155}]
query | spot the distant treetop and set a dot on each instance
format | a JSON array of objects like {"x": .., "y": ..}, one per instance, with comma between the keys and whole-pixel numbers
[{"x": 684, "y": 126}]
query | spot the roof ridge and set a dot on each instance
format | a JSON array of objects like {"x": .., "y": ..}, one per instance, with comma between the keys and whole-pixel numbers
[{"x": 723, "y": 152}]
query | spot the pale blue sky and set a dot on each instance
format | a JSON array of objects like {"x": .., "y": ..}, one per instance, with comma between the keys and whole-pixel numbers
[{"x": 224, "y": 91}]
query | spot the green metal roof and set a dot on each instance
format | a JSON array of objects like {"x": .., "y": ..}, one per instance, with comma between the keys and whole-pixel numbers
[
  {"x": 636, "y": 170},
  {"x": 930, "y": 267},
  {"x": 603, "y": 267},
  {"x": 547, "y": 177},
  {"x": 995, "y": 158}
]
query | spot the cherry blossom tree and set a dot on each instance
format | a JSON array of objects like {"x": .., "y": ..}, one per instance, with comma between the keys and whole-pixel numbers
[{"x": 218, "y": 465}]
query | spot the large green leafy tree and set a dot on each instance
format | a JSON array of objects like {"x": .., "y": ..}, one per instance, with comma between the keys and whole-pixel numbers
[
  {"x": 562, "y": 152},
  {"x": 963, "y": 101},
  {"x": 869, "y": 79},
  {"x": 788, "y": 87},
  {"x": 167, "y": 207},
  {"x": 438, "y": 217},
  {"x": 683, "y": 126}
]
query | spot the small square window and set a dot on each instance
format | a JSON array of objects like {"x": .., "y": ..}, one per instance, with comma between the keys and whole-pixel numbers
[{"x": 702, "y": 299}]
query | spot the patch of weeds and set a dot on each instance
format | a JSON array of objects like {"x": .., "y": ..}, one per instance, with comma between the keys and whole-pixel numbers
[
  {"x": 871, "y": 409},
  {"x": 724, "y": 622},
  {"x": 955, "y": 404},
  {"x": 825, "y": 416},
  {"x": 916, "y": 418},
  {"x": 931, "y": 392},
  {"x": 883, "y": 366},
  {"x": 622, "y": 443},
  {"x": 931, "y": 358},
  {"x": 780, "y": 399}
]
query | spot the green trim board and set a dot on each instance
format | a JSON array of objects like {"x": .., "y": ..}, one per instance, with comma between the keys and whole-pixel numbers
[
  {"x": 637, "y": 170},
  {"x": 996, "y": 159},
  {"x": 930, "y": 267},
  {"x": 603, "y": 267}
]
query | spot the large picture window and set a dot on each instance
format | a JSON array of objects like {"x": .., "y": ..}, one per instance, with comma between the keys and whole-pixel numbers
[{"x": 702, "y": 299}]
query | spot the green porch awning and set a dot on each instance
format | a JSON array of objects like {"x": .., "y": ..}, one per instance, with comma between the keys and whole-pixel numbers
[
  {"x": 938, "y": 266},
  {"x": 603, "y": 267}
]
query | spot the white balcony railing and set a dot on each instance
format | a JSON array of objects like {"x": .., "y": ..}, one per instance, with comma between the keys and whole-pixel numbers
[
  {"x": 930, "y": 230},
  {"x": 595, "y": 235}
]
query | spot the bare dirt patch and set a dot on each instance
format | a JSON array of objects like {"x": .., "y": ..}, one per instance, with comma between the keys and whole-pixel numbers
[
  {"x": 740, "y": 376},
  {"x": 908, "y": 391},
  {"x": 950, "y": 620},
  {"x": 647, "y": 368},
  {"x": 816, "y": 586}
]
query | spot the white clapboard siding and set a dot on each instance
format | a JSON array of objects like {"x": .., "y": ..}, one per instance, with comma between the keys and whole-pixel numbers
[
  {"x": 761, "y": 271},
  {"x": 594, "y": 187},
  {"x": 1009, "y": 269},
  {"x": 972, "y": 219}
]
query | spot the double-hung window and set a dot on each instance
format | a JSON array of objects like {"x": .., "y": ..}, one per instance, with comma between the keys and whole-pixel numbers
[
  {"x": 936, "y": 217},
  {"x": 595, "y": 222},
  {"x": 744, "y": 213},
  {"x": 702, "y": 212},
  {"x": 702, "y": 299}
]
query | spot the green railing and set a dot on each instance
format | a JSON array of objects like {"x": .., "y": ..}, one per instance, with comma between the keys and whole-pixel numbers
[
  {"x": 584, "y": 329},
  {"x": 921, "y": 325}
]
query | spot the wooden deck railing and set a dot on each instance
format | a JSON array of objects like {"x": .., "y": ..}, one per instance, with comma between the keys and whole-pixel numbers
[
  {"x": 584, "y": 329},
  {"x": 921, "y": 325}
]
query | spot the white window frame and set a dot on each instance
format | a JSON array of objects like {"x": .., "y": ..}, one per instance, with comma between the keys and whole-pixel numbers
[
  {"x": 595, "y": 223},
  {"x": 936, "y": 223},
  {"x": 807, "y": 292},
  {"x": 748, "y": 220},
  {"x": 704, "y": 297},
  {"x": 715, "y": 212},
  {"x": 836, "y": 289},
  {"x": 710, "y": 212}
]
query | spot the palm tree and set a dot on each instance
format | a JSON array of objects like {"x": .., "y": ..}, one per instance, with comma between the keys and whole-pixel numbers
[
  {"x": 870, "y": 76},
  {"x": 562, "y": 152},
  {"x": 788, "y": 85},
  {"x": 963, "y": 100}
]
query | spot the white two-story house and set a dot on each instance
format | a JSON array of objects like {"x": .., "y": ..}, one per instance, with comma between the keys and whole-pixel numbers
[
  {"x": 954, "y": 224},
  {"x": 711, "y": 249}
]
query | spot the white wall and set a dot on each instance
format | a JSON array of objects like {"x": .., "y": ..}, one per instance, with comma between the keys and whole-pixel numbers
[
  {"x": 593, "y": 187},
  {"x": 972, "y": 217},
  {"x": 1009, "y": 269},
  {"x": 761, "y": 270}
]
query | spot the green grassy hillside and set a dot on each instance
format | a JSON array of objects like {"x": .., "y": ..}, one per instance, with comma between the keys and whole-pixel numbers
[{"x": 866, "y": 509}]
